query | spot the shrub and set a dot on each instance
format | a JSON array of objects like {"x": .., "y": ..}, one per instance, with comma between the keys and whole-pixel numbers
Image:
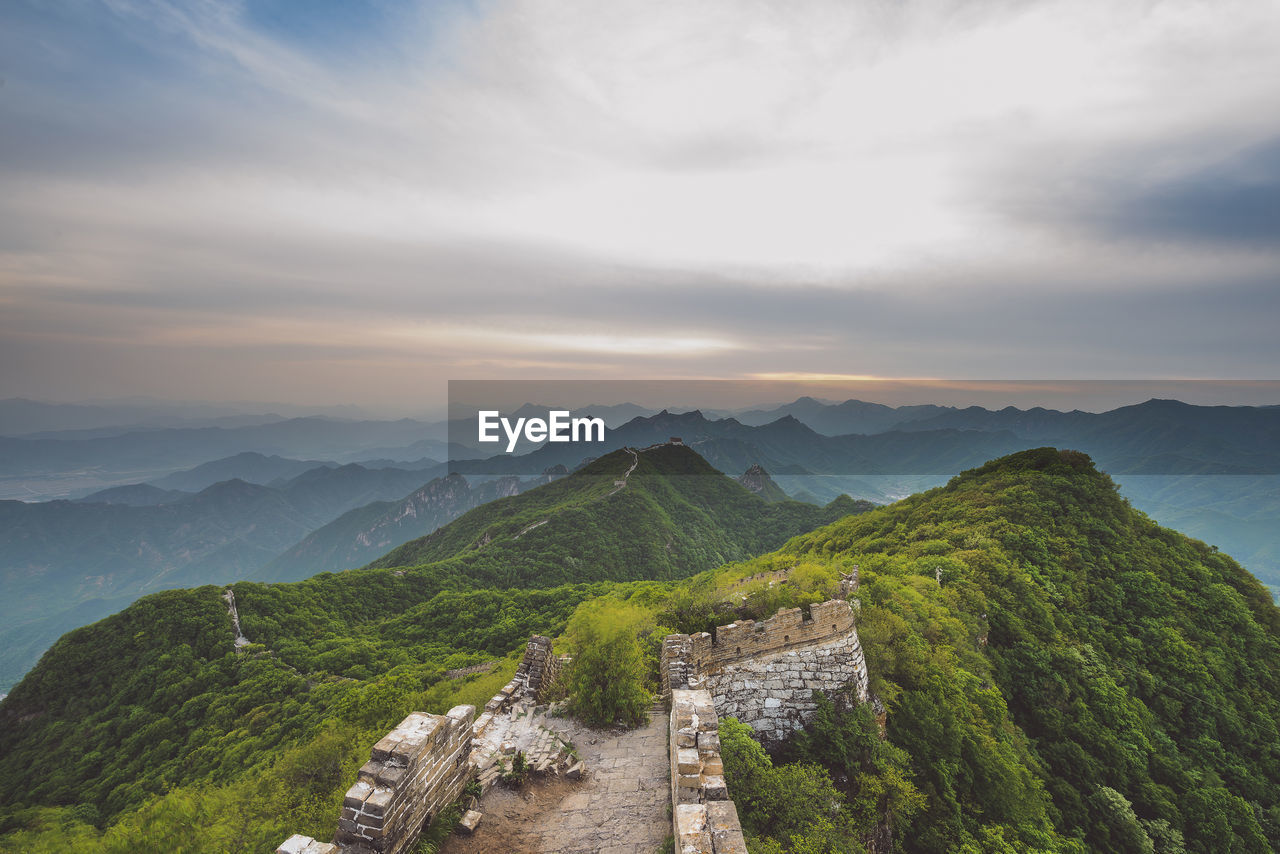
[{"x": 607, "y": 677}]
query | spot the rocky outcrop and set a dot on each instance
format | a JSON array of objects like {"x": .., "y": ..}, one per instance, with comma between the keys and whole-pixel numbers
[{"x": 758, "y": 481}]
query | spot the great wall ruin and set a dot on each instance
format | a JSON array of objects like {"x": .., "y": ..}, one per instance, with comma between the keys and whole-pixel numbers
[{"x": 763, "y": 673}]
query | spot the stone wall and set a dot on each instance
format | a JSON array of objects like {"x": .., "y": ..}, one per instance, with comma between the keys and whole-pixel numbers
[
  {"x": 704, "y": 820},
  {"x": 773, "y": 694},
  {"x": 535, "y": 673},
  {"x": 764, "y": 673},
  {"x": 416, "y": 770},
  {"x": 539, "y": 667}
]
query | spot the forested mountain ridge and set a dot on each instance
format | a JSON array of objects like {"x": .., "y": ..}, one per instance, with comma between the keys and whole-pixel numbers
[
  {"x": 656, "y": 514},
  {"x": 62, "y": 561},
  {"x": 1058, "y": 667},
  {"x": 1057, "y": 672}
]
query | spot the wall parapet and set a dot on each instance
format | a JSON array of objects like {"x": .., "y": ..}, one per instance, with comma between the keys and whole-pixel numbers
[
  {"x": 687, "y": 659},
  {"x": 704, "y": 819},
  {"x": 534, "y": 675},
  {"x": 764, "y": 673},
  {"x": 413, "y": 772}
]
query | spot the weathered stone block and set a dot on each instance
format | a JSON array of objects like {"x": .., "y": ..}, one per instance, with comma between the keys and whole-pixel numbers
[
  {"x": 714, "y": 788},
  {"x": 294, "y": 844},
  {"x": 687, "y": 761},
  {"x": 389, "y": 776},
  {"x": 725, "y": 829},
  {"x": 469, "y": 821},
  {"x": 356, "y": 795},
  {"x": 378, "y": 801}
]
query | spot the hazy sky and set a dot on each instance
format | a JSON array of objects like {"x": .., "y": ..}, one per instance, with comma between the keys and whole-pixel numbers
[{"x": 353, "y": 202}]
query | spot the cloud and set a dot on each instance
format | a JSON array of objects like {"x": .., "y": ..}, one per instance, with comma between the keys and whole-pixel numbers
[
  {"x": 1234, "y": 202},
  {"x": 976, "y": 188}
]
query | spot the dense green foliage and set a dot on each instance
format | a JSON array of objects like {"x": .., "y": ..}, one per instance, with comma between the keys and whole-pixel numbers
[
  {"x": 872, "y": 771},
  {"x": 155, "y": 697},
  {"x": 608, "y": 676},
  {"x": 1058, "y": 673},
  {"x": 793, "y": 807},
  {"x": 1076, "y": 658}
]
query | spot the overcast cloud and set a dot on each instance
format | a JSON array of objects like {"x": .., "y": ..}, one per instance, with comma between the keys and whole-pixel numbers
[{"x": 357, "y": 201}]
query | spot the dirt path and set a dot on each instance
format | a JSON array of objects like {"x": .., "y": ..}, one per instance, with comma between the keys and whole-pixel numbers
[{"x": 620, "y": 807}]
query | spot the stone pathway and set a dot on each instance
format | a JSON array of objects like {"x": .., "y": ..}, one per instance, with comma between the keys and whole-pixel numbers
[{"x": 620, "y": 807}]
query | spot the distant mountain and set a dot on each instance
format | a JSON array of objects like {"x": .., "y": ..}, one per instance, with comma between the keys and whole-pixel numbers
[
  {"x": 22, "y": 417},
  {"x": 55, "y": 556},
  {"x": 784, "y": 446},
  {"x": 45, "y": 468},
  {"x": 1155, "y": 437},
  {"x": 361, "y": 535},
  {"x": 59, "y": 554},
  {"x": 839, "y": 419},
  {"x": 671, "y": 516},
  {"x": 249, "y": 466},
  {"x": 324, "y": 438},
  {"x": 135, "y": 495}
]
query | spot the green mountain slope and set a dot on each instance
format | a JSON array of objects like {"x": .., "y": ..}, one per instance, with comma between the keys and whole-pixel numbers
[
  {"x": 366, "y": 533},
  {"x": 1058, "y": 673},
  {"x": 156, "y": 697},
  {"x": 675, "y": 516},
  {"x": 63, "y": 563},
  {"x": 1080, "y": 674}
]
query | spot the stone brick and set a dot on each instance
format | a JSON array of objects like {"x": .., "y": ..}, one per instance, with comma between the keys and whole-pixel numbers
[
  {"x": 356, "y": 795},
  {"x": 469, "y": 821}
]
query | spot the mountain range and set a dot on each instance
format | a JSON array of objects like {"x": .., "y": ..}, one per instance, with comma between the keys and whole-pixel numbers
[
  {"x": 313, "y": 515},
  {"x": 64, "y": 563},
  {"x": 1051, "y": 670}
]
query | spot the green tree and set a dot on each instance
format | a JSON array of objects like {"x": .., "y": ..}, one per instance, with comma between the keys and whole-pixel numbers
[{"x": 607, "y": 679}]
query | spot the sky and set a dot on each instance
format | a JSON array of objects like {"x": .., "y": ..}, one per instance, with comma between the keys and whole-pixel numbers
[{"x": 355, "y": 202}]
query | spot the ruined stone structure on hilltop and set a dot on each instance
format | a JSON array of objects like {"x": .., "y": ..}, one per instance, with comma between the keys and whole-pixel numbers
[
  {"x": 764, "y": 673},
  {"x": 421, "y": 767}
]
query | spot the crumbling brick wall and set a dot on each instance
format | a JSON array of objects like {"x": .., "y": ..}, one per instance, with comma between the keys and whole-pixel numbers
[
  {"x": 413, "y": 772},
  {"x": 704, "y": 820},
  {"x": 764, "y": 673},
  {"x": 539, "y": 667},
  {"x": 535, "y": 673}
]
